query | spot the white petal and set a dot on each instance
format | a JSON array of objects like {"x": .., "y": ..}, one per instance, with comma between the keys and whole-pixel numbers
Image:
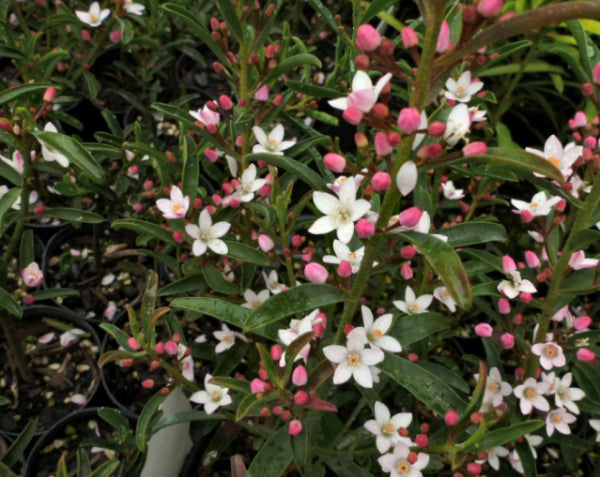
[
  {"x": 345, "y": 231},
  {"x": 372, "y": 356},
  {"x": 220, "y": 229},
  {"x": 406, "y": 179},
  {"x": 335, "y": 353},
  {"x": 342, "y": 374},
  {"x": 322, "y": 225},
  {"x": 361, "y": 80},
  {"x": 260, "y": 136},
  {"x": 363, "y": 376},
  {"x": 339, "y": 103},
  {"x": 326, "y": 203},
  {"x": 218, "y": 246}
]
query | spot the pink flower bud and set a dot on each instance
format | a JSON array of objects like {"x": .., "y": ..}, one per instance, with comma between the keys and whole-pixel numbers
[
  {"x": 116, "y": 36},
  {"x": 585, "y": 355},
  {"x": 451, "y": 418},
  {"x": 85, "y": 35},
  {"x": 276, "y": 352},
  {"x": 295, "y": 427},
  {"x": 262, "y": 374},
  {"x": 178, "y": 237},
  {"x": 257, "y": 386},
  {"x": 484, "y": 330},
  {"x": 443, "y": 41},
  {"x": 364, "y": 228},
  {"x": 504, "y": 306},
  {"x": 409, "y": 37},
  {"x": 277, "y": 410},
  {"x": 300, "y": 376},
  {"x": 582, "y": 323},
  {"x": 171, "y": 347},
  {"x": 381, "y": 181},
  {"x": 262, "y": 94},
  {"x": 133, "y": 344},
  {"x": 409, "y": 120},
  {"x": 315, "y": 272},
  {"x": 382, "y": 144},
  {"x": 211, "y": 155},
  {"x": 50, "y": 95},
  {"x": 532, "y": 259},
  {"x": 508, "y": 264},
  {"x": 476, "y": 148},
  {"x": 307, "y": 254},
  {"x": 352, "y": 115},
  {"x": 367, "y": 38},
  {"x": 489, "y": 8},
  {"x": 436, "y": 129},
  {"x": 507, "y": 340},
  {"x": 148, "y": 383},
  {"x": 474, "y": 468},
  {"x": 265, "y": 243},
  {"x": 297, "y": 240},
  {"x": 410, "y": 217},
  {"x": 421, "y": 440},
  {"x": 28, "y": 299},
  {"x": 344, "y": 269},
  {"x": 596, "y": 75},
  {"x": 406, "y": 271},
  {"x": 525, "y": 297},
  {"x": 526, "y": 216},
  {"x": 590, "y": 142},
  {"x": 225, "y": 102},
  {"x": 159, "y": 348},
  {"x": 301, "y": 398},
  {"x": 334, "y": 162},
  {"x": 580, "y": 119},
  {"x": 408, "y": 251}
]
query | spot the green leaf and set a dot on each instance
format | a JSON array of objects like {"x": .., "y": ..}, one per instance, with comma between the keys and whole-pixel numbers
[
  {"x": 92, "y": 83},
  {"x": 285, "y": 66},
  {"x": 142, "y": 431},
  {"x": 269, "y": 365},
  {"x": 191, "y": 169},
  {"x": 144, "y": 227},
  {"x": 313, "y": 90},
  {"x": 186, "y": 416},
  {"x": 473, "y": 233},
  {"x": 191, "y": 283},
  {"x": 106, "y": 470},
  {"x": 376, "y": 7},
  {"x": 7, "y": 200},
  {"x": 251, "y": 402},
  {"x": 11, "y": 94},
  {"x": 9, "y": 303},
  {"x": 221, "y": 309},
  {"x": 588, "y": 51},
  {"x": 73, "y": 215},
  {"x": 11, "y": 174},
  {"x": 74, "y": 151},
  {"x": 274, "y": 456},
  {"x": 446, "y": 263},
  {"x": 412, "y": 328},
  {"x": 239, "y": 385},
  {"x": 61, "y": 466},
  {"x": 117, "y": 333},
  {"x": 17, "y": 448},
  {"x": 26, "y": 251},
  {"x": 115, "y": 418},
  {"x": 302, "y": 171},
  {"x": 215, "y": 280},
  {"x": 298, "y": 299},
  {"x": 5, "y": 471},
  {"x": 425, "y": 386},
  {"x": 231, "y": 18},
  {"x": 499, "y": 437},
  {"x": 246, "y": 253},
  {"x": 451, "y": 377},
  {"x": 52, "y": 293}
]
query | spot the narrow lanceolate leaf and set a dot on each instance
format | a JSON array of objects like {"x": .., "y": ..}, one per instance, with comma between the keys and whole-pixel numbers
[
  {"x": 7, "y": 201},
  {"x": 302, "y": 59},
  {"x": 9, "y": 303},
  {"x": 298, "y": 299},
  {"x": 473, "y": 233},
  {"x": 274, "y": 456},
  {"x": 247, "y": 254},
  {"x": 231, "y": 18},
  {"x": 11, "y": 94},
  {"x": 424, "y": 385},
  {"x": 191, "y": 169},
  {"x": 73, "y": 215},
  {"x": 413, "y": 328},
  {"x": 143, "y": 429},
  {"x": 293, "y": 166},
  {"x": 105, "y": 470},
  {"x": 446, "y": 263},
  {"x": 499, "y": 437},
  {"x": 17, "y": 448},
  {"x": 220, "y": 309},
  {"x": 143, "y": 227},
  {"x": 75, "y": 152}
]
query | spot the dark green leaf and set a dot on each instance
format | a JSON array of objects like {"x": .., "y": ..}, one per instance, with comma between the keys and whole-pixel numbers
[
  {"x": 5, "y": 471},
  {"x": 231, "y": 18},
  {"x": 313, "y": 90},
  {"x": 115, "y": 418},
  {"x": 143, "y": 429},
  {"x": 285, "y": 66},
  {"x": 302, "y": 171},
  {"x": 11, "y": 94},
  {"x": 26, "y": 251},
  {"x": 412, "y": 328},
  {"x": 106, "y": 470},
  {"x": 52, "y": 293},
  {"x": 9, "y": 303},
  {"x": 187, "y": 416},
  {"x": 143, "y": 227},
  {"x": 499, "y": 437},
  {"x": 7, "y": 200},
  {"x": 376, "y": 7},
  {"x": 527, "y": 459},
  {"x": 246, "y": 253},
  {"x": 191, "y": 169},
  {"x": 473, "y": 233},
  {"x": 117, "y": 333},
  {"x": 221, "y": 309},
  {"x": 215, "y": 280},
  {"x": 11, "y": 174},
  {"x": 444, "y": 374},
  {"x": 73, "y": 215},
  {"x": 251, "y": 402},
  {"x": 234, "y": 384},
  {"x": 17, "y": 448},
  {"x": 274, "y": 456},
  {"x": 191, "y": 283}
]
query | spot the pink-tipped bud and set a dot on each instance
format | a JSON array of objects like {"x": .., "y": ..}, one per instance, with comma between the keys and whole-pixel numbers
[
  {"x": 277, "y": 410},
  {"x": 381, "y": 181},
  {"x": 315, "y": 272},
  {"x": 409, "y": 38},
  {"x": 116, "y": 36},
  {"x": 580, "y": 119},
  {"x": 587, "y": 89},
  {"x": 334, "y": 162},
  {"x": 211, "y": 155},
  {"x": 451, "y": 418},
  {"x": 127, "y": 362},
  {"x": 484, "y": 330},
  {"x": 344, "y": 269},
  {"x": 409, "y": 120},
  {"x": 582, "y": 323},
  {"x": 39, "y": 209},
  {"x": 262, "y": 94},
  {"x": 443, "y": 41},
  {"x": 382, "y": 144},
  {"x": 28, "y": 299},
  {"x": 489, "y": 8},
  {"x": 257, "y": 386},
  {"x": 422, "y": 440},
  {"x": 276, "y": 352},
  {"x": 526, "y": 216},
  {"x": 532, "y": 259},
  {"x": 364, "y": 228},
  {"x": 225, "y": 102},
  {"x": 50, "y": 95},
  {"x": 585, "y": 355},
  {"x": 508, "y": 340},
  {"x": 590, "y": 142},
  {"x": 508, "y": 264},
  {"x": 408, "y": 252},
  {"x": 171, "y": 347},
  {"x": 406, "y": 271},
  {"x": 410, "y": 217},
  {"x": 148, "y": 383},
  {"x": 367, "y": 38},
  {"x": 301, "y": 398},
  {"x": 352, "y": 115},
  {"x": 133, "y": 344},
  {"x": 504, "y": 306},
  {"x": 525, "y": 297},
  {"x": 476, "y": 148},
  {"x": 295, "y": 427},
  {"x": 300, "y": 376},
  {"x": 596, "y": 75},
  {"x": 85, "y": 35},
  {"x": 265, "y": 243},
  {"x": 262, "y": 374},
  {"x": 436, "y": 129},
  {"x": 362, "y": 62},
  {"x": 159, "y": 348},
  {"x": 297, "y": 240},
  {"x": 474, "y": 468},
  {"x": 178, "y": 237}
]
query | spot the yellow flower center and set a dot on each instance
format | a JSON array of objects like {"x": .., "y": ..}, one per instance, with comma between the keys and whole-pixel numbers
[
  {"x": 215, "y": 395},
  {"x": 550, "y": 352},
  {"x": 353, "y": 359},
  {"x": 414, "y": 307},
  {"x": 556, "y": 419},
  {"x": 227, "y": 338},
  {"x": 403, "y": 467},
  {"x": 531, "y": 393},
  {"x": 554, "y": 160},
  {"x": 389, "y": 428},
  {"x": 461, "y": 90},
  {"x": 272, "y": 144},
  {"x": 177, "y": 207},
  {"x": 378, "y": 333},
  {"x": 534, "y": 205},
  {"x": 493, "y": 387}
]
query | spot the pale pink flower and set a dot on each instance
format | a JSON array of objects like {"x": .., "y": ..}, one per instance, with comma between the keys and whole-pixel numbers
[
  {"x": 451, "y": 192},
  {"x": 70, "y": 336},
  {"x": 495, "y": 388},
  {"x": 32, "y": 275},
  {"x": 367, "y": 38},
  {"x": 579, "y": 262},
  {"x": 398, "y": 463},
  {"x": 342, "y": 252},
  {"x": 206, "y": 116},
  {"x": 133, "y": 8},
  {"x": 540, "y": 205},
  {"x": 375, "y": 331},
  {"x": 550, "y": 354},
  {"x": 207, "y": 235},
  {"x": 364, "y": 95},
  {"x": 385, "y": 427},
  {"x": 272, "y": 143},
  {"x": 48, "y": 153},
  {"x": 254, "y": 300},
  {"x": 94, "y": 16},
  {"x": 516, "y": 285},
  {"x": 212, "y": 397},
  {"x": 559, "y": 419},
  {"x": 463, "y": 88},
  {"x": 565, "y": 395},
  {"x": 226, "y": 338},
  {"x": 443, "y": 296},
  {"x": 531, "y": 394},
  {"x": 16, "y": 162},
  {"x": 562, "y": 158},
  {"x": 413, "y": 305},
  {"x": 176, "y": 207}
]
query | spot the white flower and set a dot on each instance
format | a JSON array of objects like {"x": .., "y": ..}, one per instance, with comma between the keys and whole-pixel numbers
[
  {"x": 212, "y": 397},
  {"x": 110, "y": 311},
  {"x": 364, "y": 95},
  {"x": 515, "y": 462},
  {"x": 595, "y": 424},
  {"x": 226, "y": 338},
  {"x": 579, "y": 262},
  {"x": 176, "y": 207},
  {"x": 413, "y": 305},
  {"x": 298, "y": 328},
  {"x": 342, "y": 252},
  {"x": 561, "y": 158},
  {"x": 354, "y": 360},
  {"x": 550, "y": 354},
  {"x": 341, "y": 212},
  {"x": 16, "y": 162},
  {"x": 207, "y": 235},
  {"x": 272, "y": 143},
  {"x": 492, "y": 456},
  {"x": 273, "y": 283},
  {"x": 133, "y": 8},
  {"x": 375, "y": 331},
  {"x": 70, "y": 336},
  {"x": 50, "y": 154},
  {"x": 398, "y": 464},
  {"x": 458, "y": 124},
  {"x": 32, "y": 275},
  {"x": 186, "y": 362},
  {"x": 94, "y": 16},
  {"x": 512, "y": 288},
  {"x": 206, "y": 116},
  {"x": 559, "y": 419},
  {"x": 495, "y": 388},
  {"x": 254, "y": 300},
  {"x": 386, "y": 427},
  {"x": 565, "y": 395},
  {"x": 406, "y": 179},
  {"x": 248, "y": 185},
  {"x": 540, "y": 205},
  {"x": 531, "y": 394},
  {"x": 441, "y": 294},
  {"x": 463, "y": 88},
  {"x": 451, "y": 192}
]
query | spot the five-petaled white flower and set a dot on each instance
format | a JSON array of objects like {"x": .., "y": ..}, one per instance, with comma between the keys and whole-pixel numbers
[
  {"x": 254, "y": 300},
  {"x": 353, "y": 360},
  {"x": 364, "y": 95},
  {"x": 298, "y": 328},
  {"x": 94, "y": 16},
  {"x": 176, "y": 207},
  {"x": 206, "y": 116},
  {"x": 376, "y": 330},
  {"x": 561, "y": 158},
  {"x": 248, "y": 185},
  {"x": 273, "y": 142},
  {"x": 511, "y": 288},
  {"x": 207, "y": 235},
  {"x": 565, "y": 395},
  {"x": 133, "y": 8},
  {"x": 450, "y": 192},
  {"x": 463, "y": 88},
  {"x": 341, "y": 212},
  {"x": 458, "y": 124},
  {"x": 273, "y": 283},
  {"x": 212, "y": 397},
  {"x": 386, "y": 427},
  {"x": 342, "y": 252},
  {"x": 442, "y": 295},
  {"x": 531, "y": 394},
  {"x": 495, "y": 388},
  {"x": 540, "y": 205},
  {"x": 559, "y": 419},
  {"x": 226, "y": 338},
  {"x": 550, "y": 354},
  {"x": 399, "y": 463},
  {"x": 411, "y": 304},
  {"x": 48, "y": 153}
]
